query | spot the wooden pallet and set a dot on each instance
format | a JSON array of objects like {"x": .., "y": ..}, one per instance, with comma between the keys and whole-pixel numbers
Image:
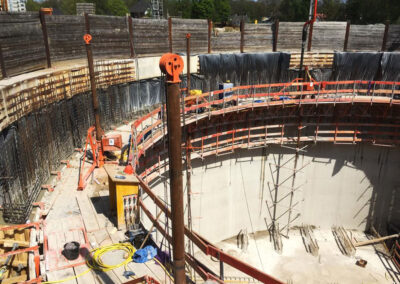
[
  {"x": 312, "y": 60},
  {"x": 7, "y": 239}
]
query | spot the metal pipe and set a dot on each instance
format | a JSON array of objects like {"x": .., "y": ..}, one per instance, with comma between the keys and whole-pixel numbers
[
  {"x": 188, "y": 63},
  {"x": 346, "y": 37},
  {"x": 241, "y": 35},
  {"x": 209, "y": 35},
  {"x": 276, "y": 34},
  {"x": 170, "y": 33},
  {"x": 95, "y": 101},
  {"x": 176, "y": 184},
  {"x": 45, "y": 37},
  {"x": 130, "y": 26}
]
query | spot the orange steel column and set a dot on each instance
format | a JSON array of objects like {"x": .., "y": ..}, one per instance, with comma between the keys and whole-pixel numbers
[{"x": 172, "y": 66}]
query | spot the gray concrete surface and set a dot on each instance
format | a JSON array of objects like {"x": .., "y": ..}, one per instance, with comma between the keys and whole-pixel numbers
[{"x": 336, "y": 185}]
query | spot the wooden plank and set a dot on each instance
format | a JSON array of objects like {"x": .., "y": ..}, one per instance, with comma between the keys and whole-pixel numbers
[
  {"x": 62, "y": 274},
  {"x": 87, "y": 213},
  {"x": 87, "y": 277},
  {"x": 15, "y": 279}
]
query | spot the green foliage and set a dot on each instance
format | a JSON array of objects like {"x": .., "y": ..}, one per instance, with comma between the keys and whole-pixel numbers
[
  {"x": 357, "y": 11},
  {"x": 31, "y": 5},
  {"x": 222, "y": 11},
  {"x": 373, "y": 11},
  {"x": 117, "y": 7},
  {"x": 203, "y": 9},
  {"x": 334, "y": 10},
  {"x": 294, "y": 10}
]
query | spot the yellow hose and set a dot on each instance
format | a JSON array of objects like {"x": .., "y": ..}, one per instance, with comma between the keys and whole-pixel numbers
[{"x": 95, "y": 262}]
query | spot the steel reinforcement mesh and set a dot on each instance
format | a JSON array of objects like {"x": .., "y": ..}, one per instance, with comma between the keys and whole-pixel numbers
[{"x": 35, "y": 145}]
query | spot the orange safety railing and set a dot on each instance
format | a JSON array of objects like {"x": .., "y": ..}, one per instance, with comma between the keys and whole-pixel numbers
[{"x": 149, "y": 128}]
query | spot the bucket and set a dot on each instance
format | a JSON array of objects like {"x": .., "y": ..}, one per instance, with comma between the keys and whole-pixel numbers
[{"x": 71, "y": 250}]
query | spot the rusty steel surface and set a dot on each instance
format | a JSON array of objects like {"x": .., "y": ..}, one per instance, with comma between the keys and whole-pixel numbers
[
  {"x": 2, "y": 64},
  {"x": 188, "y": 62},
  {"x": 242, "y": 35},
  {"x": 131, "y": 43},
  {"x": 92, "y": 76},
  {"x": 346, "y": 37},
  {"x": 170, "y": 34},
  {"x": 172, "y": 66},
  {"x": 385, "y": 36},
  {"x": 42, "y": 14},
  {"x": 210, "y": 23},
  {"x": 276, "y": 35}
]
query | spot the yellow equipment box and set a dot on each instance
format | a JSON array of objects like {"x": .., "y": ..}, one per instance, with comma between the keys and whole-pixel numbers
[{"x": 124, "y": 190}]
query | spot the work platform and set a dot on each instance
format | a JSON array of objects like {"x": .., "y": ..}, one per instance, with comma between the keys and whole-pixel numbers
[{"x": 84, "y": 216}]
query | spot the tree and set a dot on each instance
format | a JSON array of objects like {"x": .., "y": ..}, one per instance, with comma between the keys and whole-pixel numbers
[
  {"x": 203, "y": 9},
  {"x": 334, "y": 10},
  {"x": 222, "y": 11},
  {"x": 117, "y": 8},
  {"x": 31, "y": 5},
  {"x": 294, "y": 10}
]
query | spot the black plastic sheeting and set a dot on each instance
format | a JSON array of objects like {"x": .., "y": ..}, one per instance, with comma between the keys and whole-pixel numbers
[
  {"x": 244, "y": 68},
  {"x": 35, "y": 145},
  {"x": 390, "y": 66},
  {"x": 355, "y": 66},
  {"x": 260, "y": 68},
  {"x": 379, "y": 66}
]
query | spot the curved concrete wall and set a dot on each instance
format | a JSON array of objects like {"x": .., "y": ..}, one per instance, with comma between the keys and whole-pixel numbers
[{"x": 350, "y": 186}]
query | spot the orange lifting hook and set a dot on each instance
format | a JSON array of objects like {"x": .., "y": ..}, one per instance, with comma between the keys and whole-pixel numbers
[{"x": 171, "y": 65}]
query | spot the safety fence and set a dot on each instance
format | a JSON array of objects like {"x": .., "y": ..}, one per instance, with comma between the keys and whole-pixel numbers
[{"x": 31, "y": 41}]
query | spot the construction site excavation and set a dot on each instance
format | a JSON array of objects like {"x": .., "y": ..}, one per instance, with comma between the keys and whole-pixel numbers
[{"x": 139, "y": 150}]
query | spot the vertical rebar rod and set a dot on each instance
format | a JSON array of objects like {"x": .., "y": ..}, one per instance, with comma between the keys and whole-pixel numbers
[{"x": 176, "y": 184}]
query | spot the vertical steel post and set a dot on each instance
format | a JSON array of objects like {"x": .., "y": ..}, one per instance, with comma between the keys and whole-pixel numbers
[
  {"x": 221, "y": 270},
  {"x": 276, "y": 34},
  {"x": 310, "y": 37},
  {"x": 346, "y": 37},
  {"x": 385, "y": 36},
  {"x": 188, "y": 63},
  {"x": 2, "y": 63},
  {"x": 95, "y": 101},
  {"x": 87, "y": 23},
  {"x": 175, "y": 174},
  {"x": 45, "y": 37},
  {"x": 170, "y": 33},
  {"x": 241, "y": 35},
  {"x": 130, "y": 26},
  {"x": 172, "y": 66},
  {"x": 209, "y": 35}
]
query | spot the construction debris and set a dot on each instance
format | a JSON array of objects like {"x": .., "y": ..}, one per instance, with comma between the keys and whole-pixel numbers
[
  {"x": 376, "y": 240},
  {"x": 343, "y": 241},
  {"x": 309, "y": 240}
]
